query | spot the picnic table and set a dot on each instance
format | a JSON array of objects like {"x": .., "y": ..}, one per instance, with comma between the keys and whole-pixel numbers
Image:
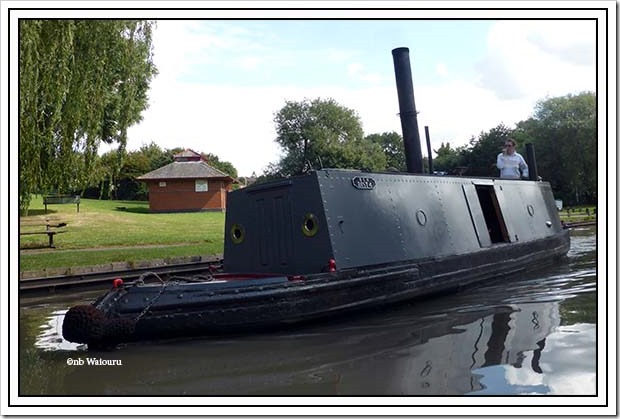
[{"x": 39, "y": 227}]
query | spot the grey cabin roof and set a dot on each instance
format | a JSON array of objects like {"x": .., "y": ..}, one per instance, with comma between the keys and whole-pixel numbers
[{"x": 185, "y": 170}]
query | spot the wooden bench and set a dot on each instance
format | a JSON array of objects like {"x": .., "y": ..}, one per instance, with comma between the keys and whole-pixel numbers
[
  {"x": 50, "y": 229},
  {"x": 61, "y": 199}
]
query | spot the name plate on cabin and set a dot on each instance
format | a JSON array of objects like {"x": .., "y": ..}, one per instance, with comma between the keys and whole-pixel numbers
[{"x": 363, "y": 182}]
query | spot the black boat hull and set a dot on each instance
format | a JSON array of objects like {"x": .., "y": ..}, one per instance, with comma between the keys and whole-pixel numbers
[{"x": 238, "y": 303}]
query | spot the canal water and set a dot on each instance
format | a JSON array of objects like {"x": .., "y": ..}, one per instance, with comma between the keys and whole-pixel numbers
[{"x": 534, "y": 335}]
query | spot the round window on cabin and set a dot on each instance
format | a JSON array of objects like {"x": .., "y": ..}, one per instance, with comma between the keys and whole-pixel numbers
[
  {"x": 237, "y": 233},
  {"x": 530, "y": 210},
  {"x": 421, "y": 217},
  {"x": 310, "y": 225}
]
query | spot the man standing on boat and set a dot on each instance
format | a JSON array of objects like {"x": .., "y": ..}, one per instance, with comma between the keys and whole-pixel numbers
[{"x": 511, "y": 164}]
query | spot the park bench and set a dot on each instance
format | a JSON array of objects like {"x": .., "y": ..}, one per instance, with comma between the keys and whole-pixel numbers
[
  {"x": 47, "y": 227},
  {"x": 61, "y": 199}
]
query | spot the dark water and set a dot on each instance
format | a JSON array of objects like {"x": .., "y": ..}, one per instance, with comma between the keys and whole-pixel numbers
[{"x": 534, "y": 335}]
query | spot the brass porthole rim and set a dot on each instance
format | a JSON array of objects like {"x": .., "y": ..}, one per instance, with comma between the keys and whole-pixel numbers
[
  {"x": 312, "y": 230},
  {"x": 237, "y": 238}
]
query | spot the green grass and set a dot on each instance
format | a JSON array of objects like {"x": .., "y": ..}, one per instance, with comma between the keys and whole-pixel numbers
[
  {"x": 117, "y": 231},
  {"x": 578, "y": 214}
]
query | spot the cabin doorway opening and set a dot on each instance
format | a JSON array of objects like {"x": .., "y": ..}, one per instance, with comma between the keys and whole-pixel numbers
[{"x": 492, "y": 214}]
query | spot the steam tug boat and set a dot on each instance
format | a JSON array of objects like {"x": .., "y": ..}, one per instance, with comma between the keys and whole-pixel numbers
[{"x": 333, "y": 241}]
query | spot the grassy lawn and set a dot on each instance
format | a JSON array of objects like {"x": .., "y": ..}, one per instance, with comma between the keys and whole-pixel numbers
[
  {"x": 117, "y": 231},
  {"x": 578, "y": 214}
]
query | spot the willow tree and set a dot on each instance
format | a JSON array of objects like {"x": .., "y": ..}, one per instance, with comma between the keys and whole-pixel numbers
[{"x": 81, "y": 82}]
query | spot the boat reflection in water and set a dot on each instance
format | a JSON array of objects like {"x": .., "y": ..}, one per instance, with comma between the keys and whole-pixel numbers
[{"x": 508, "y": 342}]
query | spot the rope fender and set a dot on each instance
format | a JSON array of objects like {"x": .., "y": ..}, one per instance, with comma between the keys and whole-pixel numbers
[{"x": 87, "y": 324}]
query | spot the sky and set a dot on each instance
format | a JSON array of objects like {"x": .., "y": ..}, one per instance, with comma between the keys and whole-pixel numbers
[{"x": 221, "y": 82}]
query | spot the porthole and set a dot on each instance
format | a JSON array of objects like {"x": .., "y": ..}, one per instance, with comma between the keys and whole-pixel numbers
[
  {"x": 237, "y": 233},
  {"x": 310, "y": 225},
  {"x": 421, "y": 217},
  {"x": 530, "y": 210}
]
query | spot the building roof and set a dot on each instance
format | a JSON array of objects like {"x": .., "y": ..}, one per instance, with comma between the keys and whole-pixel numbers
[
  {"x": 185, "y": 170},
  {"x": 187, "y": 155}
]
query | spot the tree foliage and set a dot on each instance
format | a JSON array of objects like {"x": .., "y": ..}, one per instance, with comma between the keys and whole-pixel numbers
[
  {"x": 392, "y": 145},
  {"x": 223, "y": 166},
  {"x": 322, "y": 133},
  {"x": 481, "y": 155},
  {"x": 80, "y": 82},
  {"x": 447, "y": 159},
  {"x": 563, "y": 130}
]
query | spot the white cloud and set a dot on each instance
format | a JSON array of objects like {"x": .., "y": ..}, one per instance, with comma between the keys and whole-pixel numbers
[
  {"x": 233, "y": 123},
  {"x": 539, "y": 58},
  {"x": 568, "y": 361},
  {"x": 442, "y": 70},
  {"x": 359, "y": 72},
  {"x": 250, "y": 62}
]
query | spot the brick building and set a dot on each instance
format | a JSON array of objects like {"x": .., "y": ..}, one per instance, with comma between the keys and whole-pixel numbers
[{"x": 187, "y": 184}]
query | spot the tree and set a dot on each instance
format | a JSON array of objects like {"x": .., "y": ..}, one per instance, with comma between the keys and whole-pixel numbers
[
  {"x": 80, "y": 82},
  {"x": 322, "y": 133},
  {"x": 563, "y": 130},
  {"x": 155, "y": 156},
  {"x": 108, "y": 183},
  {"x": 448, "y": 159},
  {"x": 103, "y": 183},
  {"x": 481, "y": 157},
  {"x": 392, "y": 145},
  {"x": 223, "y": 166}
]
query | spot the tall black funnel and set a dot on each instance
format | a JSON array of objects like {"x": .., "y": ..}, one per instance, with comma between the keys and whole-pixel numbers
[{"x": 408, "y": 114}]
